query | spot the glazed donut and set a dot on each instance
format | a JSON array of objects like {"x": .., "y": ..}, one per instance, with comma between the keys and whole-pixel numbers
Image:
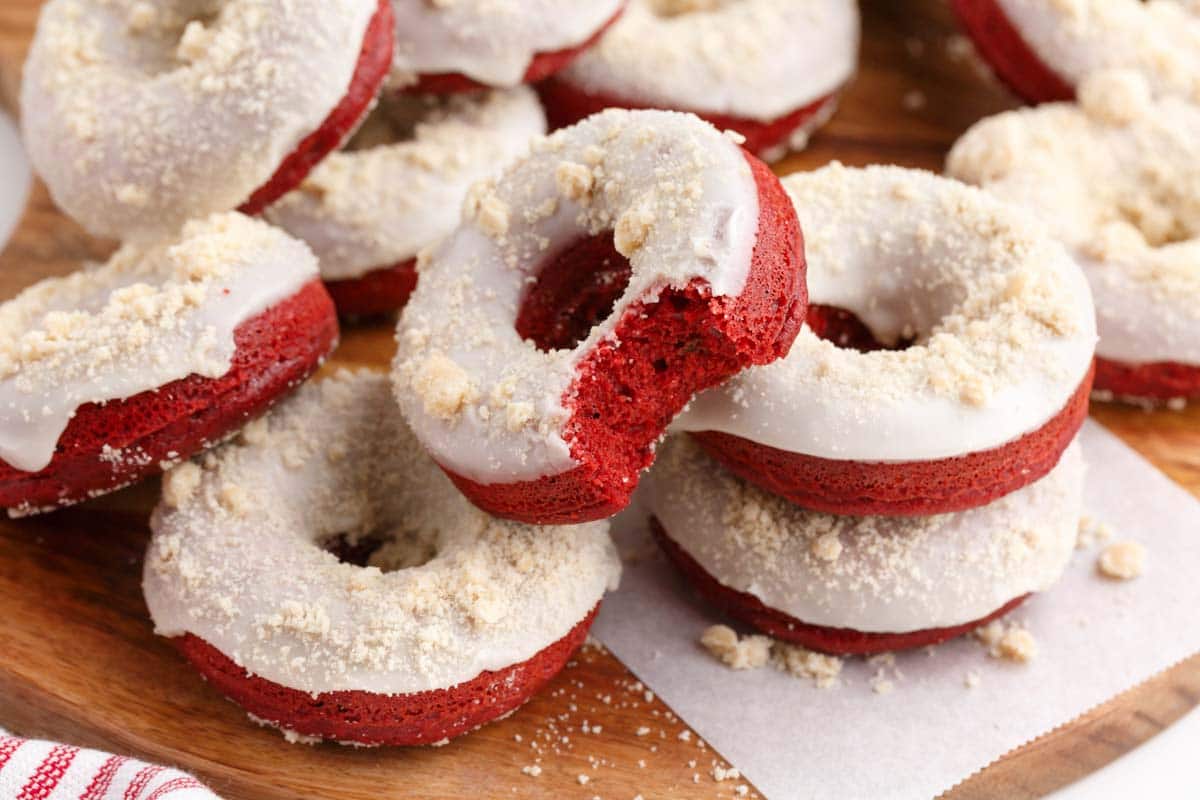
[
  {"x": 141, "y": 116},
  {"x": 687, "y": 238},
  {"x": 978, "y": 372},
  {"x": 110, "y": 373},
  {"x": 436, "y": 618},
  {"x": 1117, "y": 179},
  {"x": 859, "y": 585},
  {"x": 399, "y": 188},
  {"x": 769, "y": 69},
  {"x": 475, "y": 44},
  {"x": 1043, "y": 50}
]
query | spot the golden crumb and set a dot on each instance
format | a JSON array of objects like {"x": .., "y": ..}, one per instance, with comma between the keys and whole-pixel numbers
[
  {"x": 1122, "y": 560},
  {"x": 179, "y": 484},
  {"x": 749, "y": 652}
]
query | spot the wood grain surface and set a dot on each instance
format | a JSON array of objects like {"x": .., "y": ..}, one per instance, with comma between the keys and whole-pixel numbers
[{"x": 79, "y": 661}]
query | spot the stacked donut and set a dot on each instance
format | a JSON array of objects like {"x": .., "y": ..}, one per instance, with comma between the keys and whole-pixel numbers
[{"x": 908, "y": 470}]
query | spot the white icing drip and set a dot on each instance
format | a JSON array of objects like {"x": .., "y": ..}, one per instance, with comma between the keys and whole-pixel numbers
[
  {"x": 141, "y": 116},
  {"x": 1117, "y": 180},
  {"x": 236, "y": 557},
  {"x": 871, "y": 574},
  {"x": 756, "y": 59},
  {"x": 151, "y": 315},
  {"x": 367, "y": 209},
  {"x": 1075, "y": 38},
  {"x": 1003, "y": 318},
  {"x": 487, "y": 404},
  {"x": 490, "y": 41}
]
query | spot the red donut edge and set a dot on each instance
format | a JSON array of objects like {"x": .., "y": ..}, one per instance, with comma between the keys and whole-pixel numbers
[
  {"x": 1010, "y": 56},
  {"x": 541, "y": 67},
  {"x": 374, "y": 63},
  {"x": 1157, "y": 382},
  {"x": 750, "y": 610},
  {"x": 376, "y": 293},
  {"x": 275, "y": 351},
  {"x": 367, "y": 718},
  {"x": 709, "y": 338},
  {"x": 911, "y": 488},
  {"x": 566, "y": 105}
]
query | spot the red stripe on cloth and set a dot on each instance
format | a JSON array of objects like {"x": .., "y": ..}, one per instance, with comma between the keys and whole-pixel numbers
[
  {"x": 48, "y": 773},
  {"x": 98, "y": 788},
  {"x": 140, "y": 781},
  {"x": 8, "y": 746},
  {"x": 176, "y": 785}
]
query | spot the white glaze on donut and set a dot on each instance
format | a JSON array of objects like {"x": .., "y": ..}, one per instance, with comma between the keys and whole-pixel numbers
[
  {"x": 141, "y": 116},
  {"x": 401, "y": 186},
  {"x": 236, "y": 558},
  {"x": 1002, "y": 317},
  {"x": 684, "y": 206},
  {"x": 1117, "y": 179},
  {"x": 490, "y": 41},
  {"x": 1075, "y": 38},
  {"x": 870, "y": 574},
  {"x": 755, "y": 59},
  {"x": 151, "y": 315}
]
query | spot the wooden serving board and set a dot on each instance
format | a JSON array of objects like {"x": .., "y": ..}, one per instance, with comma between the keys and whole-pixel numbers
[{"x": 79, "y": 662}]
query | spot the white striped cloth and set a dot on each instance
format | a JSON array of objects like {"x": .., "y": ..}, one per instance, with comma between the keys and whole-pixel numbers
[{"x": 31, "y": 770}]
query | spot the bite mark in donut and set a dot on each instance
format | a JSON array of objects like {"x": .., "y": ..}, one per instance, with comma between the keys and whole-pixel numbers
[
  {"x": 377, "y": 293},
  {"x": 624, "y": 397},
  {"x": 420, "y": 718},
  {"x": 1013, "y": 60},
  {"x": 540, "y": 68},
  {"x": 374, "y": 62},
  {"x": 566, "y": 105},
  {"x": 749, "y": 609},
  {"x": 276, "y": 351}
]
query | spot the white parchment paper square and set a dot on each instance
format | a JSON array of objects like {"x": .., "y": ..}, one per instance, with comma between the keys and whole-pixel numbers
[{"x": 1096, "y": 637}]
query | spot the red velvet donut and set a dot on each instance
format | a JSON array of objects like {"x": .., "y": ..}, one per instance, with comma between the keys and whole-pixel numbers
[
  {"x": 620, "y": 391},
  {"x": 1158, "y": 382},
  {"x": 1014, "y": 61},
  {"x": 375, "y": 294}
]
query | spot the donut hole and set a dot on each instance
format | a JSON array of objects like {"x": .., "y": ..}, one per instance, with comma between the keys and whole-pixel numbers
[
  {"x": 575, "y": 291},
  {"x": 165, "y": 37},
  {"x": 387, "y": 551},
  {"x": 844, "y": 329}
]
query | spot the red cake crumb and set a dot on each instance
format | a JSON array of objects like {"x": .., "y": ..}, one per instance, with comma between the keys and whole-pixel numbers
[
  {"x": 1012, "y": 59},
  {"x": 541, "y": 67},
  {"x": 374, "y": 63},
  {"x": 376, "y": 293},
  {"x": 565, "y": 105},
  {"x": 624, "y": 397},
  {"x": 838, "y": 641},
  {"x": 420, "y": 718},
  {"x": 910, "y": 488},
  {"x": 1160, "y": 382},
  {"x": 106, "y": 446}
]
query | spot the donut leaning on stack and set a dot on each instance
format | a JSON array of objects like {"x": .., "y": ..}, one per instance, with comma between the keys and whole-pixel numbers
[
  {"x": 434, "y": 620},
  {"x": 912, "y": 473},
  {"x": 226, "y": 110},
  {"x": 399, "y": 187},
  {"x": 1043, "y": 50},
  {"x": 1117, "y": 179},
  {"x": 111, "y": 373},
  {"x": 771, "y": 70},
  {"x": 688, "y": 239},
  {"x": 474, "y": 44}
]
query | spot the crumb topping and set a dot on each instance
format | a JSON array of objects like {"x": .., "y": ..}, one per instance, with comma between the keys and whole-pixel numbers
[
  {"x": 1116, "y": 179},
  {"x": 1124, "y": 560},
  {"x": 150, "y": 315},
  {"x": 679, "y": 201},
  {"x": 446, "y": 592},
  {"x": 759, "y": 59},
  {"x": 236, "y": 82},
  {"x": 755, "y": 651},
  {"x": 892, "y": 574},
  {"x": 399, "y": 185}
]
